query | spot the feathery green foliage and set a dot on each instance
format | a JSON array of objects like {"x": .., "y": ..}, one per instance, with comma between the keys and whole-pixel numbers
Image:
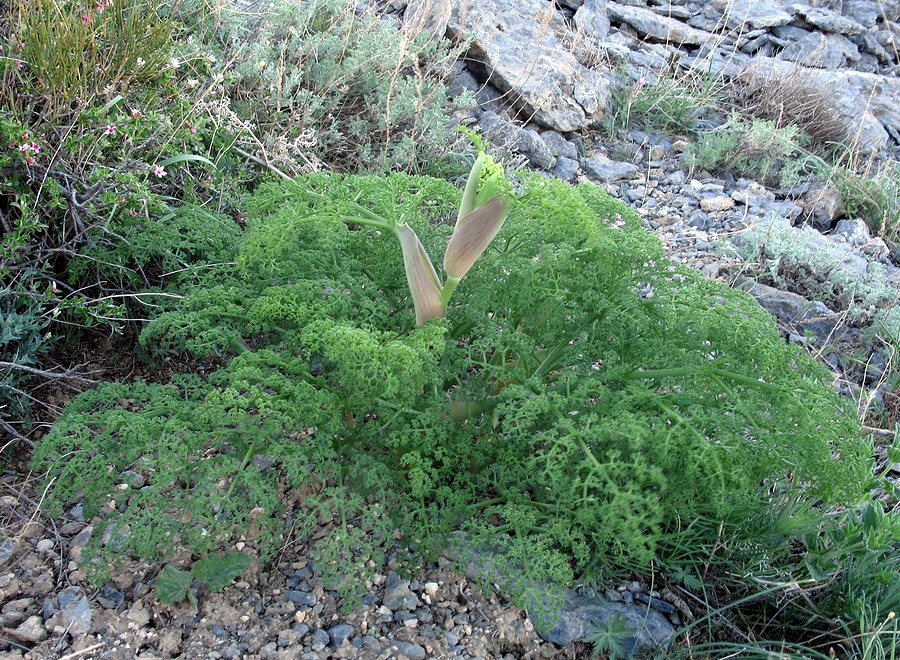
[{"x": 555, "y": 410}]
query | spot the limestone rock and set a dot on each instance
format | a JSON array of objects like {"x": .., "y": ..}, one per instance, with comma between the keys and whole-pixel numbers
[
  {"x": 651, "y": 24},
  {"x": 604, "y": 169},
  {"x": 753, "y": 13},
  {"x": 580, "y": 613},
  {"x": 854, "y": 230},
  {"x": 592, "y": 22},
  {"x": 428, "y": 17},
  {"x": 822, "y": 205},
  {"x": 507, "y": 135},
  {"x": 829, "y": 21},
  {"x": 825, "y": 51},
  {"x": 521, "y": 43},
  {"x": 558, "y": 145},
  {"x": 864, "y": 12},
  {"x": 675, "y": 11},
  {"x": 868, "y": 102},
  {"x": 878, "y": 97},
  {"x": 566, "y": 169},
  {"x": 796, "y": 312}
]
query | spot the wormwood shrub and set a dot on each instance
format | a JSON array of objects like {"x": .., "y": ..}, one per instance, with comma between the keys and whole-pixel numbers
[
  {"x": 322, "y": 82},
  {"x": 756, "y": 148},
  {"x": 778, "y": 254},
  {"x": 555, "y": 410}
]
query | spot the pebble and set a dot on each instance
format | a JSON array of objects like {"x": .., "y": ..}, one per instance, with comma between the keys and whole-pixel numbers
[
  {"x": 289, "y": 637},
  {"x": 76, "y": 610},
  {"x": 6, "y": 550},
  {"x": 77, "y": 544},
  {"x": 408, "y": 649},
  {"x": 71, "y": 528},
  {"x": 110, "y": 597},
  {"x": 340, "y": 633},
  {"x": 305, "y": 598},
  {"x": 603, "y": 169},
  {"x": 397, "y": 594},
  {"x": 44, "y": 546},
  {"x": 716, "y": 204},
  {"x": 320, "y": 640},
  {"x": 33, "y": 628}
]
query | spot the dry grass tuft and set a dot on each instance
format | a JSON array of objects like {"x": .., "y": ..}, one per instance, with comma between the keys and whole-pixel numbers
[{"x": 801, "y": 98}]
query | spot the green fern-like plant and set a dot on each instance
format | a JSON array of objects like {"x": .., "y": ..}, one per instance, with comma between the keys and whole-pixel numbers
[{"x": 554, "y": 410}]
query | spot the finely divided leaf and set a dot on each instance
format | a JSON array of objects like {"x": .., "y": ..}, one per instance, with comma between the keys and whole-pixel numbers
[{"x": 219, "y": 570}]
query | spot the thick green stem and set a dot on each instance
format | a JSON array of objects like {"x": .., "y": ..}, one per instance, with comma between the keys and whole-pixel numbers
[{"x": 448, "y": 289}]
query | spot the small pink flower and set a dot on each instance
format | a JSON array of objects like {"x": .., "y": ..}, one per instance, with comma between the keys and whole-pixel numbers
[
  {"x": 109, "y": 130},
  {"x": 135, "y": 113},
  {"x": 29, "y": 160},
  {"x": 53, "y": 286},
  {"x": 101, "y": 6},
  {"x": 86, "y": 19},
  {"x": 642, "y": 81},
  {"x": 132, "y": 212},
  {"x": 159, "y": 171}
]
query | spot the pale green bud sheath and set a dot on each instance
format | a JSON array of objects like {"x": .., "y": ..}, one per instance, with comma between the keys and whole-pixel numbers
[
  {"x": 467, "y": 205},
  {"x": 423, "y": 280},
  {"x": 471, "y": 237}
]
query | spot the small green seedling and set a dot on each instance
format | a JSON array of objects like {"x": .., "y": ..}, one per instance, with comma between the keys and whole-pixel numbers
[
  {"x": 611, "y": 638},
  {"x": 217, "y": 571}
]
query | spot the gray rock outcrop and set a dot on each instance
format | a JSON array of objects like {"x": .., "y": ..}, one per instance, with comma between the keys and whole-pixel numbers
[{"x": 521, "y": 46}]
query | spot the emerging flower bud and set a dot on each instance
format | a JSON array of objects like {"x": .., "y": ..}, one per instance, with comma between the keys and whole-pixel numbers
[
  {"x": 424, "y": 284},
  {"x": 467, "y": 205},
  {"x": 472, "y": 235}
]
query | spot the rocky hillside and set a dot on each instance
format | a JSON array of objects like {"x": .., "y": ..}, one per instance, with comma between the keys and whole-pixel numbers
[{"x": 653, "y": 101}]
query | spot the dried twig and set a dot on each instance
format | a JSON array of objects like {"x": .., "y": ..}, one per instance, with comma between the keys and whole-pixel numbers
[
  {"x": 68, "y": 374},
  {"x": 260, "y": 161},
  {"x": 15, "y": 434}
]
